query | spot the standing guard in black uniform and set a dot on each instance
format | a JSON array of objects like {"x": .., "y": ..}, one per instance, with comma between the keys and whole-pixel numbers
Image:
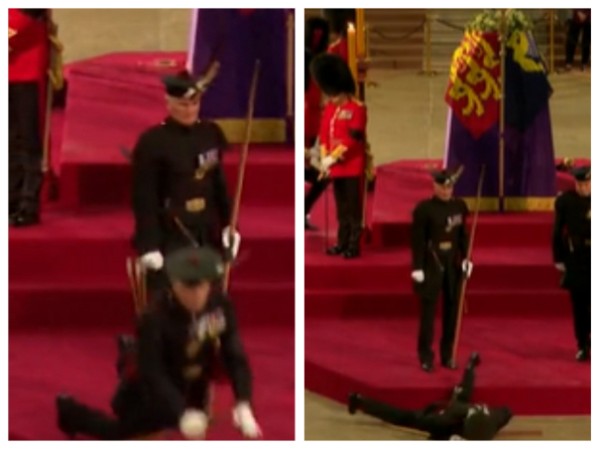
[
  {"x": 180, "y": 337},
  {"x": 572, "y": 249},
  {"x": 179, "y": 188},
  {"x": 439, "y": 248},
  {"x": 456, "y": 419}
]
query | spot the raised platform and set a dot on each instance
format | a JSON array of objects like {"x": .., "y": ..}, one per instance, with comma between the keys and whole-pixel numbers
[
  {"x": 400, "y": 185},
  {"x": 362, "y": 315}
]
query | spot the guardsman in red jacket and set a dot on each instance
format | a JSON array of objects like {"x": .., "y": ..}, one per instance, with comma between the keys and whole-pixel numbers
[
  {"x": 338, "y": 24},
  {"x": 343, "y": 146},
  {"x": 28, "y": 61},
  {"x": 316, "y": 42}
]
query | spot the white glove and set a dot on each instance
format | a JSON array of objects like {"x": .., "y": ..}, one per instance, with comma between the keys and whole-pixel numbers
[
  {"x": 314, "y": 162},
  {"x": 314, "y": 152},
  {"x": 244, "y": 420},
  {"x": 327, "y": 162},
  {"x": 152, "y": 260},
  {"x": 467, "y": 268},
  {"x": 418, "y": 276},
  {"x": 233, "y": 246},
  {"x": 560, "y": 266},
  {"x": 193, "y": 424}
]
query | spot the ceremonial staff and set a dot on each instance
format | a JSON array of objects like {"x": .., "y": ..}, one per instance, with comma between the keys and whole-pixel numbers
[
  {"x": 463, "y": 287},
  {"x": 242, "y": 168},
  {"x": 502, "y": 33}
]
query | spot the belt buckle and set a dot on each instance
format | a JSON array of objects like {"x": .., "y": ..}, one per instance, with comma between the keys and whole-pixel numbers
[
  {"x": 192, "y": 372},
  {"x": 195, "y": 205},
  {"x": 446, "y": 245}
]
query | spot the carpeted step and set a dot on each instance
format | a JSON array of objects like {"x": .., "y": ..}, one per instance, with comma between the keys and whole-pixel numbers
[
  {"x": 92, "y": 247},
  {"x": 527, "y": 364},
  {"x": 495, "y": 269},
  {"x": 378, "y": 303},
  {"x": 83, "y": 305},
  {"x": 43, "y": 364}
]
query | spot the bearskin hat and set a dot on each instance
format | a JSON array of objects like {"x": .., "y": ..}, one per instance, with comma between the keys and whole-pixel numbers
[
  {"x": 332, "y": 75},
  {"x": 316, "y": 35}
]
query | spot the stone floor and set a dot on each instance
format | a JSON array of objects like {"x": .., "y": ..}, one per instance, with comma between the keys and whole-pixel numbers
[{"x": 329, "y": 420}]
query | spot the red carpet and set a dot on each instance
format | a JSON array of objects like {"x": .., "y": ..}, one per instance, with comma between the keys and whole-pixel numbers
[
  {"x": 69, "y": 295},
  {"x": 80, "y": 362},
  {"x": 362, "y": 316}
]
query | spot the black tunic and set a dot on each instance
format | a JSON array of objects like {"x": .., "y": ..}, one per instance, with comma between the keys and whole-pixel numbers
[
  {"x": 439, "y": 241},
  {"x": 177, "y": 172},
  {"x": 174, "y": 368},
  {"x": 572, "y": 236}
]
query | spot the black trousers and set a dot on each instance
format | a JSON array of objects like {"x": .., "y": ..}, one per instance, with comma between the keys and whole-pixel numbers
[
  {"x": 581, "y": 302},
  {"x": 317, "y": 187},
  {"x": 348, "y": 204},
  {"x": 25, "y": 147},
  {"x": 428, "y": 419},
  {"x": 576, "y": 29},
  {"x": 451, "y": 277},
  {"x": 135, "y": 413}
]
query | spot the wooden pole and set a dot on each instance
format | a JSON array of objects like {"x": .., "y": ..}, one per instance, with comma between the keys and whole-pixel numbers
[
  {"x": 463, "y": 287},
  {"x": 502, "y": 110},
  {"x": 242, "y": 168}
]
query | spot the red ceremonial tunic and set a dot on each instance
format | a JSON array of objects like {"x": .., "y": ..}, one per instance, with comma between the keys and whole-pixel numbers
[
  {"x": 28, "y": 57},
  {"x": 338, "y": 124}
]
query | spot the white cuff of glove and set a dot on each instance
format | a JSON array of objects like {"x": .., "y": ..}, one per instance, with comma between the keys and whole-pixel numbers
[
  {"x": 467, "y": 268},
  {"x": 327, "y": 162},
  {"x": 244, "y": 420},
  {"x": 560, "y": 266},
  {"x": 193, "y": 424},
  {"x": 231, "y": 244},
  {"x": 152, "y": 260},
  {"x": 418, "y": 276}
]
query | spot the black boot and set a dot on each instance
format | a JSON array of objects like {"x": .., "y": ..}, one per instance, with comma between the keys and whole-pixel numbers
[
  {"x": 24, "y": 218},
  {"x": 427, "y": 366},
  {"x": 449, "y": 364},
  {"x": 353, "y": 402},
  {"x": 583, "y": 355},
  {"x": 336, "y": 250},
  {"x": 351, "y": 253},
  {"x": 66, "y": 415}
]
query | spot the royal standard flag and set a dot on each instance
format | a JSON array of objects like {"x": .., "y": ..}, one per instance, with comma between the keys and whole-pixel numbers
[{"x": 473, "y": 91}]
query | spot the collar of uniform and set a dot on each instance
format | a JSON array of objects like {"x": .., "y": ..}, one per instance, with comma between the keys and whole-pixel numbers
[{"x": 172, "y": 123}]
